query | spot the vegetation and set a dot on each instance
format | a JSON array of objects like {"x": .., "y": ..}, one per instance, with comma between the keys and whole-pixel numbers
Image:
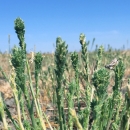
[{"x": 76, "y": 85}]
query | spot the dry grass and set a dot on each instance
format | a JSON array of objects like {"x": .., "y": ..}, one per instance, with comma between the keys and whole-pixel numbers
[
  {"x": 4, "y": 63},
  {"x": 48, "y": 60},
  {"x": 46, "y": 85}
]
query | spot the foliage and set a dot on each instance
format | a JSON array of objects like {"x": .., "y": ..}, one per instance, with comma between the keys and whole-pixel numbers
[{"x": 76, "y": 85}]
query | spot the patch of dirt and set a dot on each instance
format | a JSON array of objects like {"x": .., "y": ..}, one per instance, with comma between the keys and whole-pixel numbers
[{"x": 5, "y": 88}]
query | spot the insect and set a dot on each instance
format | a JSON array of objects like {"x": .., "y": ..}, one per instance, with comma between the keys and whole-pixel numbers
[{"x": 112, "y": 64}]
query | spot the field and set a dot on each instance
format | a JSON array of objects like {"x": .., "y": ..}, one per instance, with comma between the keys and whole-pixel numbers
[{"x": 65, "y": 90}]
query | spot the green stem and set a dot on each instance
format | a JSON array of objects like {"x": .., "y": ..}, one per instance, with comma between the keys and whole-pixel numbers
[
  {"x": 18, "y": 110},
  {"x": 2, "y": 113},
  {"x": 34, "y": 98}
]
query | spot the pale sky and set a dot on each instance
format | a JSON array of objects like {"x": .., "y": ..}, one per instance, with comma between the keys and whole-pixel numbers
[{"x": 108, "y": 21}]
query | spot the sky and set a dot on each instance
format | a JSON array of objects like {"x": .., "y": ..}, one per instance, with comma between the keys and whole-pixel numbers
[{"x": 108, "y": 21}]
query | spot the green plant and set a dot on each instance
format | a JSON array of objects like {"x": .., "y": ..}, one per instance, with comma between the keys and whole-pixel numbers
[
  {"x": 60, "y": 61},
  {"x": 76, "y": 85}
]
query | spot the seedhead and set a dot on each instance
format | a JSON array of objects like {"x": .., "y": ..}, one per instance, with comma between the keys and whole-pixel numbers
[
  {"x": 82, "y": 39},
  {"x": 20, "y": 30}
]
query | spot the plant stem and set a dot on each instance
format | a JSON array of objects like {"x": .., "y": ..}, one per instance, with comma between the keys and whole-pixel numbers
[
  {"x": 2, "y": 113},
  {"x": 34, "y": 98}
]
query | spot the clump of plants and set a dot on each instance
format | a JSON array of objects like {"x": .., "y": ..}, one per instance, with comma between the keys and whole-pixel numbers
[{"x": 82, "y": 102}]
